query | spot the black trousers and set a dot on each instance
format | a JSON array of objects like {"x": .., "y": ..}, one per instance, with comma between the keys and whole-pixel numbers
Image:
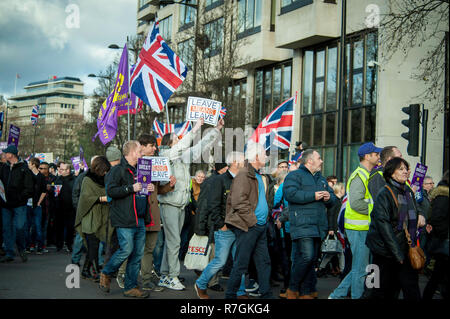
[
  {"x": 438, "y": 277},
  {"x": 393, "y": 278},
  {"x": 93, "y": 244}
]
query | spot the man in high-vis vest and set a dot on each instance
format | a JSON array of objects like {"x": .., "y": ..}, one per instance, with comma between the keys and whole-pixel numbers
[
  {"x": 376, "y": 179},
  {"x": 356, "y": 221}
]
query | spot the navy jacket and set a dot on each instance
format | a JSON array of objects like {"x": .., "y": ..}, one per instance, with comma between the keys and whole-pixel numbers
[{"x": 307, "y": 217}]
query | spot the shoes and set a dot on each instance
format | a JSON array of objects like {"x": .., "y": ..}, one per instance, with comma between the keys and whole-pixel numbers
[
  {"x": 201, "y": 293},
  {"x": 283, "y": 294},
  {"x": 44, "y": 250},
  {"x": 306, "y": 297},
  {"x": 175, "y": 284},
  {"x": 121, "y": 280},
  {"x": 164, "y": 281},
  {"x": 148, "y": 286},
  {"x": 292, "y": 294},
  {"x": 105, "y": 282},
  {"x": 216, "y": 287},
  {"x": 255, "y": 293},
  {"x": 253, "y": 286},
  {"x": 28, "y": 251},
  {"x": 242, "y": 297},
  {"x": 23, "y": 256},
  {"x": 136, "y": 293},
  {"x": 315, "y": 294},
  {"x": 6, "y": 259},
  {"x": 39, "y": 252}
]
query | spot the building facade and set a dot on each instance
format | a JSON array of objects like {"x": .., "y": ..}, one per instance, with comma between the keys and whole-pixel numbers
[
  {"x": 61, "y": 103},
  {"x": 288, "y": 46}
]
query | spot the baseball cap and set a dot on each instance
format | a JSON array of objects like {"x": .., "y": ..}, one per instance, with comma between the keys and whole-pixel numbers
[
  {"x": 368, "y": 148},
  {"x": 11, "y": 149}
]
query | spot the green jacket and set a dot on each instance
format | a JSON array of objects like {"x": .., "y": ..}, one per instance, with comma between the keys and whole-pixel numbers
[{"x": 93, "y": 216}]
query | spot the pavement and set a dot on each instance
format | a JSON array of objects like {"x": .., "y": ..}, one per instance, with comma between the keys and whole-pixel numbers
[{"x": 44, "y": 277}]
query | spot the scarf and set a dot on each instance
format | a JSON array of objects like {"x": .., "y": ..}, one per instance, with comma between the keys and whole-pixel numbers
[{"x": 407, "y": 216}]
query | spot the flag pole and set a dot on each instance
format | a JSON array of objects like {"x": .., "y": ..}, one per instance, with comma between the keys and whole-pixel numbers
[
  {"x": 34, "y": 137},
  {"x": 129, "y": 89}
]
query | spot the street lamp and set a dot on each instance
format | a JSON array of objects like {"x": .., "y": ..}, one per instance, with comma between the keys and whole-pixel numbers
[{"x": 6, "y": 117}]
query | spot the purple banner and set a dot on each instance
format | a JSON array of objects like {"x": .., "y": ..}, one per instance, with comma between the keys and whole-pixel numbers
[
  {"x": 107, "y": 115},
  {"x": 144, "y": 172},
  {"x": 14, "y": 134},
  {"x": 419, "y": 175},
  {"x": 76, "y": 163}
]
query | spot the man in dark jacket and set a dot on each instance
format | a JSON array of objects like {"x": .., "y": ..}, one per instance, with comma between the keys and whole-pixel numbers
[
  {"x": 130, "y": 214},
  {"x": 65, "y": 213},
  {"x": 17, "y": 180},
  {"x": 246, "y": 216},
  {"x": 308, "y": 195},
  {"x": 376, "y": 180},
  {"x": 214, "y": 223}
]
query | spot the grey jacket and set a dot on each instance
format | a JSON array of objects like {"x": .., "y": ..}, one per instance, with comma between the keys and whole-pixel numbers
[{"x": 181, "y": 156}]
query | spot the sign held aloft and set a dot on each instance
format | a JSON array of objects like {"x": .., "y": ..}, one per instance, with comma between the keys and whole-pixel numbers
[
  {"x": 160, "y": 169},
  {"x": 198, "y": 108}
]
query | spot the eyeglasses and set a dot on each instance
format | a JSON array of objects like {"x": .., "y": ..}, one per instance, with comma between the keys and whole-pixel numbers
[{"x": 431, "y": 183}]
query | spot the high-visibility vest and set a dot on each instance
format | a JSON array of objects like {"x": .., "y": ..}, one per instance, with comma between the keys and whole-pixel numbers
[{"x": 352, "y": 219}]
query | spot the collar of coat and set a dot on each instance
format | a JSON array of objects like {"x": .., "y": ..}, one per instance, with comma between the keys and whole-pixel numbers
[{"x": 441, "y": 190}]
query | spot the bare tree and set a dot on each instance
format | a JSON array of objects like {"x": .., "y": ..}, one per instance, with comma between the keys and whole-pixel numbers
[{"x": 412, "y": 23}]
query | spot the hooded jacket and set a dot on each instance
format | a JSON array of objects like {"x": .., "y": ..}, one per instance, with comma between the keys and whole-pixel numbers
[{"x": 18, "y": 182}]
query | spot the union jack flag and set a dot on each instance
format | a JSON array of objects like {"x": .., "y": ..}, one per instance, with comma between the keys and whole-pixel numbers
[
  {"x": 158, "y": 73},
  {"x": 162, "y": 129},
  {"x": 34, "y": 114},
  {"x": 277, "y": 126},
  {"x": 223, "y": 112}
]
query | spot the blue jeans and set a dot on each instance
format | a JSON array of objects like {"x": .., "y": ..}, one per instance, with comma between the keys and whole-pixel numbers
[
  {"x": 158, "y": 251},
  {"x": 14, "y": 223},
  {"x": 252, "y": 243},
  {"x": 35, "y": 227},
  {"x": 304, "y": 256},
  {"x": 224, "y": 242},
  {"x": 131, "y": 247},
  {"x": 77, "y": 249},
  {"x": 101, "y": 248},
  {"x": 360, "y": 260}
]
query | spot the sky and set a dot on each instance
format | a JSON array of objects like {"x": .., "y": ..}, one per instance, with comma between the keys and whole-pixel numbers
[{"x": 42, "y": 38}]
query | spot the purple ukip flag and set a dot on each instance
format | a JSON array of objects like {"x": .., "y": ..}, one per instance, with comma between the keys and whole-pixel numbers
[
  {"x": 14, "y": 134},
  {"x": 144, "y": 173},
  {"x": 107, "y": 116}
]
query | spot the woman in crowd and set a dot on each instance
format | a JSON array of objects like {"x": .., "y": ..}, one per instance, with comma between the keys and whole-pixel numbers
[
  {"x": 439, "y": 237},
  {"x": 92, "y": 220},
  {"x": 393, "y": 216}
]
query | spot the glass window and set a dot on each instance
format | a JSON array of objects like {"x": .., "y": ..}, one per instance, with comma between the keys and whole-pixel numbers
[
  {"x": 307, "y": 82},
  {"x": 369, "y": 125},
  {"x": 187, "y": 14},
  {"x": 214, "y": 31},
  {"x": 328, "y": 161},
  {"x": 317, "y": 137},
  {"x": 331, "y": 78},
  {"x": 277, "y": 86},
  {"x": 267, "y": 92},
  {"x": 258, "y": 96},
  {"x": 306, "y": 129},
  {"x": 371, "y": 73},
  {"x": 165, "y": 27},
  {"x": 287, "y": 82},
  {"x": 356, "y": 126},
  {"x": 330, "y": 129},
  {"x": 186, "y": 51},
  {"x": 249, "y": 13}
]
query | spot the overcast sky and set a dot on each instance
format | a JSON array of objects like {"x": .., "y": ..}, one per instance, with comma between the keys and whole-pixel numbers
[{"x": 41, "y": 38}]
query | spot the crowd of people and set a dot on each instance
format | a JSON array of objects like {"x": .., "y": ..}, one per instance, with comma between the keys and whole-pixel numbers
[{"x": 262, "y": 229}]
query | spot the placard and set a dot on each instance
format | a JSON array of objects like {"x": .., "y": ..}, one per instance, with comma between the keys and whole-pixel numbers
[
  {"x": 76, "y": 163},
  {"x": 198, "y": 108},
  {"x": 144, "y": 174},
  {"x": 3, "y": 145},
  {"x": 2, "y": 191},
  {"x": 419, "y": 175},
  {"x": 14, "y": 134},
  {"x": 160, "y": 168}
]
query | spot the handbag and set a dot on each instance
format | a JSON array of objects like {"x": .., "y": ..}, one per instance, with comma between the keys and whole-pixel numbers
[
  {"x": 197, "y": 256},
  {"x": 415, "y": 254},
  {"x": 331, "y": 246}
]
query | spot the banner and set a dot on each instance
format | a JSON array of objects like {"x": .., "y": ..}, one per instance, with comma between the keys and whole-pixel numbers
[
  {"x": 44, "y": 157},
  {"x": 419, "y": 175},
  {"x": 107, "y": 115},
  {"x": 3, "y": 145},
  {"x": 198, "y": 108},
  {"x": 14, "y": 134},
  {"x": 144, "y": 174},
  {"x": 160, "y": 169}
]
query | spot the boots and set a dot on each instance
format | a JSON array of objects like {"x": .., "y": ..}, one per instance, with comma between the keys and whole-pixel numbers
[
  {"x": 86, "y": 272},
  {"x": 105, "y": 282},
  {"x": 95, "y": 271},
  {"x": 292, "y": 294}
]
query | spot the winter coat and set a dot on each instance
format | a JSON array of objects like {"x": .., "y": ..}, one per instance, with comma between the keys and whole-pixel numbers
[
  {"x": 439, "y": 211},
  {"x": 18, "y": 182},
  {"x": 92, "y": 215},
  {"x": 119, "y": 186},
  {"x": 243, "y": 198},
  {"x": 307, "y": 216},
  {"x": 383, "y": 237},
  {"x": 181, "y": 156},
  {"x": 77, "y": 189},
  {"x": 201, "y": 226},
  {"x": 333, "y": 214}
]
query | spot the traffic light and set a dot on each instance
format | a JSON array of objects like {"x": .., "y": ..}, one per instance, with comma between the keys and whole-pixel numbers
[{"x": 412, "y": 136}]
